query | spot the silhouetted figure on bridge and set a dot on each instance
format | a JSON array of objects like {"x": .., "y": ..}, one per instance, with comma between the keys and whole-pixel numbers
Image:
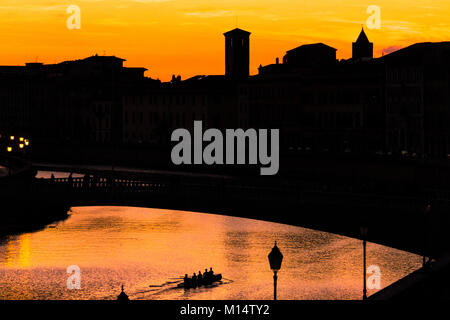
[
  {"x": 52, "y": 178},
  {"x": 86, "y": 179},
  {"x": 111, "y": 182},
  {"x": 70, "y": 180},
  {"x": 94, "y": 181},
  {"x": 200, "y": 279}
]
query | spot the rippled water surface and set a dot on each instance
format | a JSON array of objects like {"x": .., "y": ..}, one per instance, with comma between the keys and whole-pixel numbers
[{"x": 149, "y": 250}]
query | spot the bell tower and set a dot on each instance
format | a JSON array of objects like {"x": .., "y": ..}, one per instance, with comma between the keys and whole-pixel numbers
[
  {"x": 237, "y": 53},
  {"x": 362, "y": 48}
]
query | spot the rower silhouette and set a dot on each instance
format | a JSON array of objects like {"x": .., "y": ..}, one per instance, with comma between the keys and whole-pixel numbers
[{"x": 194, "y": 281}]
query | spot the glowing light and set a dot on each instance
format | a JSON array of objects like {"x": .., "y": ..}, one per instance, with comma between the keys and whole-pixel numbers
[
  {"x": 21, "y": 146},
  {"x": 21, "y": 138},
  {"x": 27, "y": 142},
  {"x": 9, "y": 149},
  {"x": 12, "y": 137}
]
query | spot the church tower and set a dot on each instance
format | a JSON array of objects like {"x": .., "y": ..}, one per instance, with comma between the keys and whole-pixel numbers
[
  {"x": 237, "y": 53},
  {"x": 362, "y": 48}
]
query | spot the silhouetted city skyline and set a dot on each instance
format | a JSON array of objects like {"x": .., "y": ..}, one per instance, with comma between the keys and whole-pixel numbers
[{"x": 362, "y": 105}]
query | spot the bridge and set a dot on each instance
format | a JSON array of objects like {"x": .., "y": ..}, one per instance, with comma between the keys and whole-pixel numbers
[{"x": 396, "y": 221}]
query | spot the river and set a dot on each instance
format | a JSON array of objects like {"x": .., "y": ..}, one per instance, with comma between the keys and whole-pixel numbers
[{"x": 149, "y": 250}]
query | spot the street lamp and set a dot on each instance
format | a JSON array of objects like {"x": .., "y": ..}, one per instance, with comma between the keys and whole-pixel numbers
[
  {"x": 275, "y": 259},
  {"x": 425, "y": 235},
  {"x": 364, "y": 231}
]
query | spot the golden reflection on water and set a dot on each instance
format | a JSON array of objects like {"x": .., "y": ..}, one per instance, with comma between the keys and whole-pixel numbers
[
  {"x": 141, "y": 247},
  {"x": 17, "y": 251}
]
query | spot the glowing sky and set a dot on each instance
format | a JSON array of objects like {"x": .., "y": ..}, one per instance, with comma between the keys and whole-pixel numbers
[{"x": 185, "y": 36}]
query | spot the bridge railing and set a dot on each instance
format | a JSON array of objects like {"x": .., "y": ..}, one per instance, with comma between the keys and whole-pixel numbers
[
  {"x": 226, "y": 190},
  {"x": 101, "y": 184}
]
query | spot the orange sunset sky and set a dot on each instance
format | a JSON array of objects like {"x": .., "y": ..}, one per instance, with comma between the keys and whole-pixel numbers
[{"x": 185, "y": 37}]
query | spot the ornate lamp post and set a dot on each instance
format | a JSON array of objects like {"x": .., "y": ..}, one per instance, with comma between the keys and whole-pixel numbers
[
  {"x": 275, "y": 259},
  {"x": 425, "y": 235},
  {"x": 364, "y": 231}
]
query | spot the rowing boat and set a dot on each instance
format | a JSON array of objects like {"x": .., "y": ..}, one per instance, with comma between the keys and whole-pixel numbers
[{"x": 191, "y": 284}]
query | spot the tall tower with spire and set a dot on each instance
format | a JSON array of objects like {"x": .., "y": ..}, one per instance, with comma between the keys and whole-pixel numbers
[
  {"x": 362, "y": 48},
  {"x": 237, "y": 53}
]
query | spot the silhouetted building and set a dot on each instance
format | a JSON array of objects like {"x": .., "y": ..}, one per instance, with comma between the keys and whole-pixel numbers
[
  {"x": 396, "y": 104},
  {"x": 339, "y": 109},
  {"x": 311, "y": 55},
  {"x": 362, "y": 48},
  {"x": 418, "y": 99},
  {"x": 73, "y": 103},
  {"x": 150, "y": 116},
  {"x": 237, "y": 53}
]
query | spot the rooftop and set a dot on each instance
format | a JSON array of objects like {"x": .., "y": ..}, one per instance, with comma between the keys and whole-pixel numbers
[
  {"x": 362, "y": 36},
  {"x": 311, "y": 46},
  {"x": 237, "y": 31}
]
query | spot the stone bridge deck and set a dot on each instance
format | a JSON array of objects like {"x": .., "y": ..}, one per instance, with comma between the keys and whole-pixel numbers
[{"x": 395, "y": 221}]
